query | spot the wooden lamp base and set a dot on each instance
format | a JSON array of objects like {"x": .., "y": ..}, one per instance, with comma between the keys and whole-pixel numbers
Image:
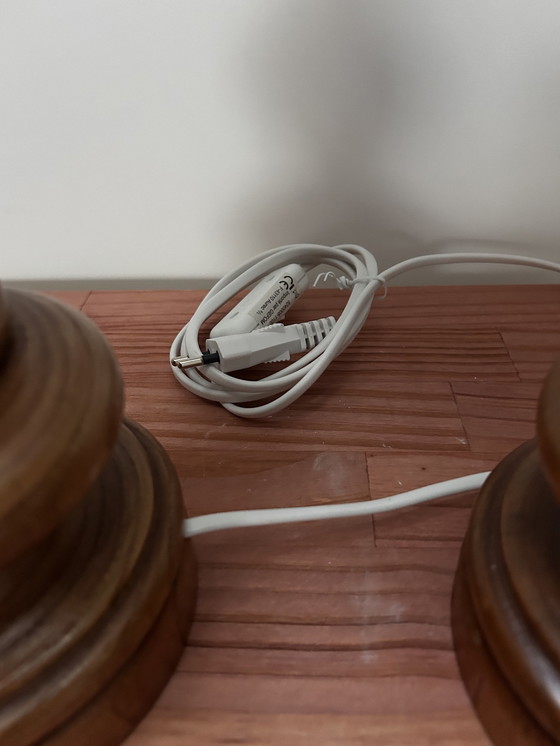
[
  {"x": 97, "y": 585},
  {"x": 506, "y": 600}
]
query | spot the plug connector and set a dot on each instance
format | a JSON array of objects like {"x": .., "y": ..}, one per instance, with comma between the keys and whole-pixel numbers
[
  {"x": 194, "y": 362},
  {"x": 269, "y": 344}
]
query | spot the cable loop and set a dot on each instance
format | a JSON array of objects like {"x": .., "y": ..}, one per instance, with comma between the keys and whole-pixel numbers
[
  {"x": 345, "y": 283},
  {"x": 383, "y": 282},
  {"x": 358, "y": 273},
  {"x": 325, "y": 276}
]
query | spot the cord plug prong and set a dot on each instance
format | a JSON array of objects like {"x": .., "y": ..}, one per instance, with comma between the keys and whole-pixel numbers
[{"x": 194, "y": 362}]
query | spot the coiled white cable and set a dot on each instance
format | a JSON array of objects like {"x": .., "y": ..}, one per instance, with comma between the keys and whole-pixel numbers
[
  {"x": 287, "y": 385},
  {"x": 358, "y": 273}
]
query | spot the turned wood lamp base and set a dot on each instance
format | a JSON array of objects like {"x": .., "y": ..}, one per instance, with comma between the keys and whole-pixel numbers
[
  {"x": 506, "y": 600},
  {"x": 97, "y": 585}
]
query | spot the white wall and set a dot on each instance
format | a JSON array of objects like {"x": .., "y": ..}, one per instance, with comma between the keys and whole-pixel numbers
[{"x": 159, "y": 139}]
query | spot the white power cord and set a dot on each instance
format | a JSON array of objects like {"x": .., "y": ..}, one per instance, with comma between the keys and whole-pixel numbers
[
  {"x": 358, "y": 272},
  {"x": 244, "y": 518},
  {"x": 280, "y": 274},
  {"x": 354, "y": 262}
]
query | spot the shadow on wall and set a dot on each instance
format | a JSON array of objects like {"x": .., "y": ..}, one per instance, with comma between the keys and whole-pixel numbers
[
  {"x": 322, "y": 88},
  {"x": 326, "y": 86}
]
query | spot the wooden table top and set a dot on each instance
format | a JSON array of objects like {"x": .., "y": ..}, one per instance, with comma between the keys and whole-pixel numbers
[{"x": 336, "y": 632}]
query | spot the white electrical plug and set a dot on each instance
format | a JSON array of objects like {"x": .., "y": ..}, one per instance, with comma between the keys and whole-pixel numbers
[{"x": 269, "y": 344}]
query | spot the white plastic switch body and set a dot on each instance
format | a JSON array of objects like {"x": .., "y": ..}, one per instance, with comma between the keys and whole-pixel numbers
[{"x": 267, "y": 303}]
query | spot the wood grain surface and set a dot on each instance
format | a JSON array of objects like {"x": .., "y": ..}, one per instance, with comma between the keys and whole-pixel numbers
[
  {"x": 59, "y": 374},
  {"x": 547, "y": 424},
  {"x": 4, "y": 333},
  {"x": 97, "y": 583},
  {"x": 506, "y": 606},
  {"x": 337, "y": 633},
  {"x": 75, "y": 626},
  {"x": 500, "y": 708}
]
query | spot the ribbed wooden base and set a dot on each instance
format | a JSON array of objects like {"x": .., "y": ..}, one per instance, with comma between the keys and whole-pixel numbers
[
  {"x": 97, "y": 585},
  {"x": 506, "y": 604}
]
